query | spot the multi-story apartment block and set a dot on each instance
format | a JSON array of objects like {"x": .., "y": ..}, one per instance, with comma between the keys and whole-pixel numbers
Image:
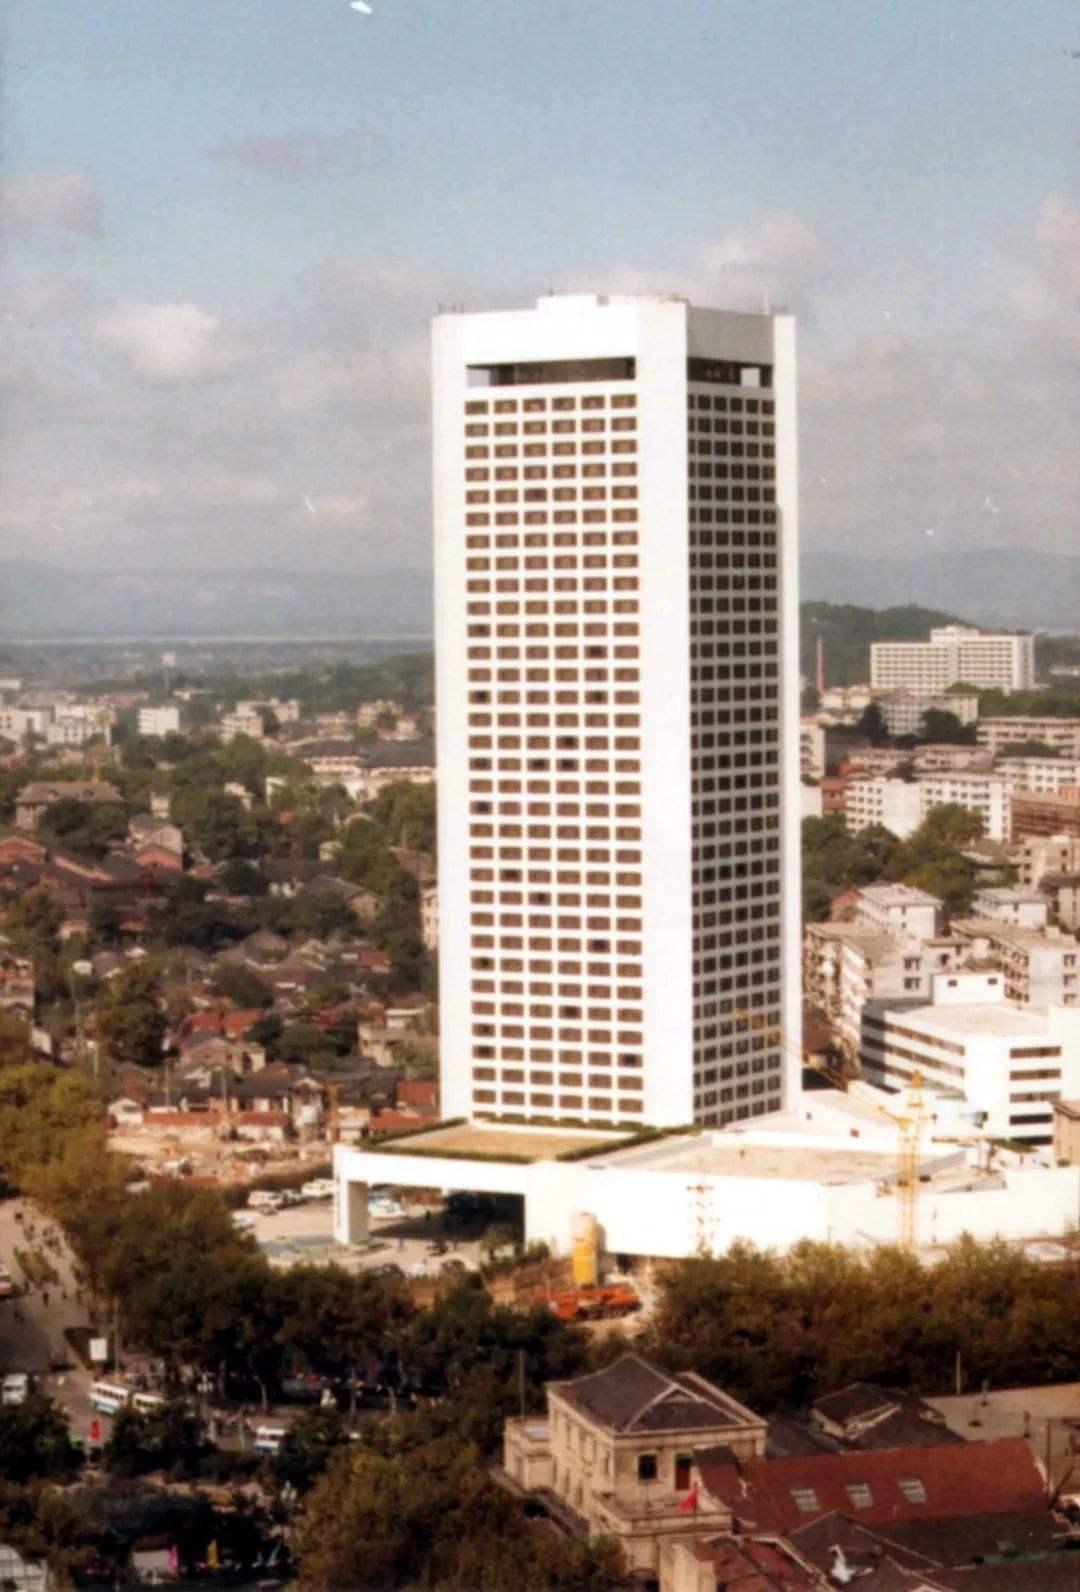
[
  {"x": 1048, "y": 816},
  {"x": 163, "y": 720},
  {"x": 1040, "y": 775},
  {"x": 1061, "y": 735},
  {"x": 846, "y": 965},
  {"x": 954, "y": 654},
  {"x": 878, "y": 799},
  {"x": 1007, "y": 1061},
  {"x": 902, "y": 805},
  {"x": 615, "y": 529}
]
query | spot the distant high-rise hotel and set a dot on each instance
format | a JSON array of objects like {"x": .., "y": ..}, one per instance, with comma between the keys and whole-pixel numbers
[
  {"x": 617, "y": 667},
  {"x": 955, "y": 654}
]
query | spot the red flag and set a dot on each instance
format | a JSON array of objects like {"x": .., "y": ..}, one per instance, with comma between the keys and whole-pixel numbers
[
  {"x": 688, "y": 1506},
  {"x": 95, "y": 1430}
]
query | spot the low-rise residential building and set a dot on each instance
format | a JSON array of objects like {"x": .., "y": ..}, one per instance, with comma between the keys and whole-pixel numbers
[
  {"x": 18, "y": 724},
  {"x": 900, "y": 909},
  {"x": 36, "y": 798},
  {"x": 846, "y": 702},
  {"x": 1039, "y": 855},
  {"x": 1067, "y": 1132},
  {"x": 250, "y": 722},
  {"x": 1040, "y": 965},
  {"x": 1006, "y": 1061},
  {"x": 987, "y": 795},
  {"x": 16, "y": 983},
  {"x": 1016, "y": 904},
  {"x": 1061, "y": 735},
  {"x": 617, "y": 1451},
  {"x": 1061, "y": 892}
]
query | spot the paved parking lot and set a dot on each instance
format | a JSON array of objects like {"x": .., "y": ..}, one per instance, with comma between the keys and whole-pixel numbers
[{"x": 304, "y": 1233}]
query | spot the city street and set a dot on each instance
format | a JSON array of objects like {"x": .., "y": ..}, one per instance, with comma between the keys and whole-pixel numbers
[{"x": 32, "y": 1324}]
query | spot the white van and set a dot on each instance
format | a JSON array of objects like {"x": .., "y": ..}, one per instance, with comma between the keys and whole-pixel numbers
[
  {"x": 264, "y": 1199},
  {"x": 320, "y": 1188},
  {"x": 109, "y": 1397},
  {"x": 268, "y": 1439}
]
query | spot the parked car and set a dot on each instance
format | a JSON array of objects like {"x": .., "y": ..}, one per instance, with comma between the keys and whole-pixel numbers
[
  {"x": 454, "y": 1267},
  {"x": 389, "y": 1268},
  {"x": 319, "y": 1188}
]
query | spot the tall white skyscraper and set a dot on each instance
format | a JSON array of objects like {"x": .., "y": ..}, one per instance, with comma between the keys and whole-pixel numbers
[{"x": 618, "y": 733}]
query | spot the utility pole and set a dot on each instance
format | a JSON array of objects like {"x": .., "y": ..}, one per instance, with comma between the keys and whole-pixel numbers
[{"x": 521, "y": 1380}]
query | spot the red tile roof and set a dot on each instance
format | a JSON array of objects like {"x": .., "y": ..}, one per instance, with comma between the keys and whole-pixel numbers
[
  {"x": 752, "y": 1565},
  {"x": 416, "y": 1092},
  {"x": 889, "y": 1484}
]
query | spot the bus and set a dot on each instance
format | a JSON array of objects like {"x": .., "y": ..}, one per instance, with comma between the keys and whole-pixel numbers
[
  {"x": 147, "y": 1403},
  {"x": 268, "y": 1439},
  {"x": 109, "y": 1397}
]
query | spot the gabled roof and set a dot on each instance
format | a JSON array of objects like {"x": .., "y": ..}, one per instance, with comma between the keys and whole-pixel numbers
[
  {"x": 889, "y": 1484},
  {"x": 633, "y": 1396},
  {"x": 857, "y": 1401}
]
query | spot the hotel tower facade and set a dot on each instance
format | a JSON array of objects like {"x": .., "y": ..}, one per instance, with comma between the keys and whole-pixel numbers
[{"x": 616, "y": 540}]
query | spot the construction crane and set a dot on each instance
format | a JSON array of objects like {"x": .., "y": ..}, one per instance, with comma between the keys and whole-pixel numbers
[{"x": 910, "y": 1123}]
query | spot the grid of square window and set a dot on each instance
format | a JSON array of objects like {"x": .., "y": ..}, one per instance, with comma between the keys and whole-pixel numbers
[
  {"x": 551, "y": 554},
  {"x": 736, "y": 687}
]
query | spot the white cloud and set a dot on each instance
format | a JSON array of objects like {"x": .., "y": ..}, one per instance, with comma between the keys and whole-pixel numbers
[
  {"x": 1047, "y": 300},
  {"x": 780, "y": 259},
  {"x": 165, "y": 342},
  {"x": 293, "y": 156},
  {"x": 46, "y": 200}
]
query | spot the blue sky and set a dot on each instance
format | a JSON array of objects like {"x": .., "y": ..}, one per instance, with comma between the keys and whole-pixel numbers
[{"x": 228, "y": 221}]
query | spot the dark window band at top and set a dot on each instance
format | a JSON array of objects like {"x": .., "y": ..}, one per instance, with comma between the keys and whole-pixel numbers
[
  {"x": 729, "y": 373},
  {"x": 551, "y": 370}
]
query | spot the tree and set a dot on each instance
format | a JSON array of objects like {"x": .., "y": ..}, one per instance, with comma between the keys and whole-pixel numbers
[
  {"x": 872, "y": 725},
  {"x": 944, "y": 728},
  {"x": 35, "y": 1442},
  {"x": 104, "y": 924},
  {"x": 239, "y": 877},
  {"x": 85, "y": 828},
  {"x": 308, "y": 1447},
  {"x": 431, "y": 1516},
  {"x": 131, "y": 1022},
  {"x": 168, "y": 1439},
  {"x": 243, "y": 987},
  {"x": 33, "y": 924}
]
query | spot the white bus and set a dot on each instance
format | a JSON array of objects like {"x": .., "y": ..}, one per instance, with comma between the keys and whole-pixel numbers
[
  {"x": 268, "y": 1439},
  {"x": 147, "y": 1403},
  {"x": 109, "y": 1397}
]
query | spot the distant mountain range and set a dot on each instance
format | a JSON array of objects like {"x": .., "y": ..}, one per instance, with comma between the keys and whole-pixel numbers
[
  {"x": 40, "y": 600},
  {"x": 1006, "y": 586},
  {"x": 1018, "y": 588}
]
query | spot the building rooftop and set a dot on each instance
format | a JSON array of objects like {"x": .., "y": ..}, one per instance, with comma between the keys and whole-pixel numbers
[
  {"x": 992, "y": 1019},
  {"x": 889, "y": 1485},
  {"x": 633, "y": 1396},
  {"x": 729, "y": 1154}
]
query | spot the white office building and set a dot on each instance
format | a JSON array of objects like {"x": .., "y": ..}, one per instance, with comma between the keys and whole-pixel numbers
[
  {"x": 954, "y": 654},
  {"x": 1010, "y": 1061},
  {"x": 159, "y": 721},
  {"x": 618, "y": 746}
]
